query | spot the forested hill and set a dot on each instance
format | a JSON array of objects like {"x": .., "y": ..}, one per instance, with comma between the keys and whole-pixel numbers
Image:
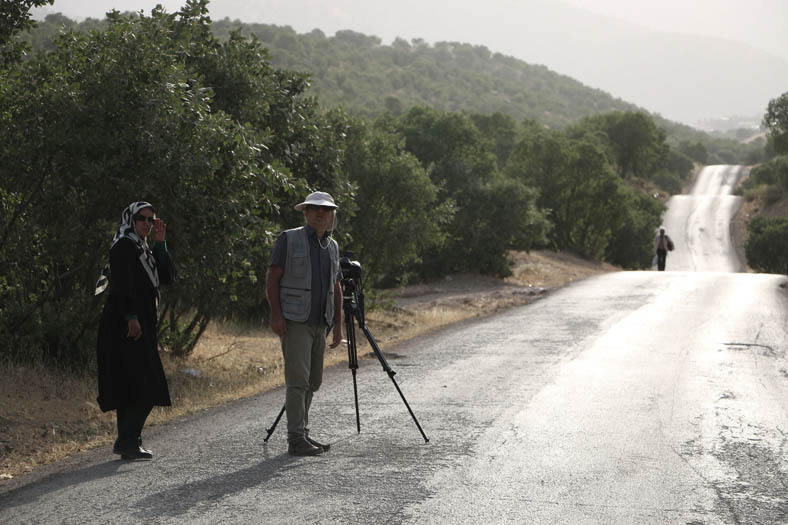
[
  {"x": 364, "y": 76},
  {"x": 367, "y": 78}
]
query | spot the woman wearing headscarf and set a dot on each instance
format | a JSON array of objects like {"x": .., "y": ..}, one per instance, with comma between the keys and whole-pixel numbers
[{"x": 131, "y": 378}]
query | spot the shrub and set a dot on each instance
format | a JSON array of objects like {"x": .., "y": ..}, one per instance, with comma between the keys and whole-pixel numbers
[
  {"x": 668, "y": 181},
  {"x": 767, "y": 246}
]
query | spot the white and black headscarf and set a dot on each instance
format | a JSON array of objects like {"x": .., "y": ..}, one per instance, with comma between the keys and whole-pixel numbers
[{"x": 126, "y": 229}]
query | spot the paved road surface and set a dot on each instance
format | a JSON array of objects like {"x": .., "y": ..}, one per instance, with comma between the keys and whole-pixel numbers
[
  {"x": 699, "y": 223},
  {"x": 634, "y": 397}
]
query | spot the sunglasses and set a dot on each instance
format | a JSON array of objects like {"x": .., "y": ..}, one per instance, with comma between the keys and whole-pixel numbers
[{"x": 144, "y": 218}]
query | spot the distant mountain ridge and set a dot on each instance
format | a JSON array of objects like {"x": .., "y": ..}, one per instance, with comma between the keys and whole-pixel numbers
[
  {"x": 358, "y": 72},
  {"x": 683, "y": 77},
  {"x": 365, "y": 77}
]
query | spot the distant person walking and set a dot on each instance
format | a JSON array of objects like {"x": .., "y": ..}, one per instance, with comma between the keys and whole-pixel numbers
[
  {"x": 662, "y": 245},
  {"x": 130, "y": 374},
  {"x": 306, "y": 301}
]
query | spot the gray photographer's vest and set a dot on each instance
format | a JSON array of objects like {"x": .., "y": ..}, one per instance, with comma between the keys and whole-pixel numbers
[{"x": 295, "y": 295}]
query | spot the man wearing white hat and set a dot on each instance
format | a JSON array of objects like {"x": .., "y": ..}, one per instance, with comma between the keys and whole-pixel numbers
[{"x": 303, "y": 288}]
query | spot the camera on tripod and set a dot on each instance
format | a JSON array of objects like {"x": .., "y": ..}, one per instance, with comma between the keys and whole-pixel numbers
[
  {"x": 350, "y": 269},
  {"x": 353, "y": 307}
]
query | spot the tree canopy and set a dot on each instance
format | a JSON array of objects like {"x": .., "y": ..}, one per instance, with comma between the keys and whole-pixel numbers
[
  {"x": 224, "y": 142},
  {"x": 776, "y": 121},
  {"x": 767, "y": 245},
  {"x": 14, "y": 18},
  {"x": 589, "y": 207},
  {"x": 132, "y": 113},
  {"x": 365, "y": 77}
]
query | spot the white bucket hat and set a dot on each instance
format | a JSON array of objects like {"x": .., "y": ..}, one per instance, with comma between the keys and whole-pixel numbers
[{"x": 317, "y": 198}]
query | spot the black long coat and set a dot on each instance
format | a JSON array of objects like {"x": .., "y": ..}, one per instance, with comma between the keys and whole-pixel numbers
[{"x": 130, "y": 372}]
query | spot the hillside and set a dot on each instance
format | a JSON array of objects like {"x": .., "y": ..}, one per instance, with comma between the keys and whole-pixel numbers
[
  {"x": 368, "y": 78},
  {"x": 359, "y": 73},
  {"x": 681, "y": 75},
  {"x": 687, "y": 62}
]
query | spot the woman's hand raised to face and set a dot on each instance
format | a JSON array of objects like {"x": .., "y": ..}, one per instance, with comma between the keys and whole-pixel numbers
[
  {"x": 159, "y": 230},
  {"x": 135, "y": 330}
]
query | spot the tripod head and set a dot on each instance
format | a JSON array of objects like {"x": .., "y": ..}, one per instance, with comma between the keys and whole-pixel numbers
[
  {"x": 350, "y": 269},
  {"x": 352, "y": 294}
]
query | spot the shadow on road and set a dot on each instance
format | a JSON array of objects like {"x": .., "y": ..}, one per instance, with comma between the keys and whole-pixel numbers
[
  {"x": 30, "y": 493},
  {"x": 183, "y": 498}
]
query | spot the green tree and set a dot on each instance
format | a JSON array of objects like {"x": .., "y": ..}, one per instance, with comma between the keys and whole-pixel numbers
[
  {"x": 694, "y": 150},
  {"x": 460, "y": 164},
  {"x": 668, "y": 181},
  {"x": 297, "y": 134},
  {"x": 14, "y": 18},
  {"x": 364, "y": 77},
  {"x": 397, "y": 216},
  {"x": 632, "y": 235},
  {"x": 635, "y": 145},
  {"x": 678, "y": 163},
  {"x": 500, "y": 130},
  {"x": 771, "y": 177},
  {"x": 503, "y": 217},
  {"x": 131, "y": 113},
  {"x": 776, "y": 121},
  {"x": 576, "y": 186},
  {"x": 767, "y": 245}
]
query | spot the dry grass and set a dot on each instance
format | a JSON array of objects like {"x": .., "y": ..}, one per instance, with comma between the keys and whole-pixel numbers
[{"x": 46, "y": 415}]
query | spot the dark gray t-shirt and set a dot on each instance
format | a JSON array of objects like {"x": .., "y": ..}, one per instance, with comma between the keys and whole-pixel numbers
[{"x": 320, "y": 260}]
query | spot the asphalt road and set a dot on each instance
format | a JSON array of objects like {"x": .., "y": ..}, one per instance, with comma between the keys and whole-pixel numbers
[
  {"x": 699, "y": 223},
  {"x": 633, "y": 397}
]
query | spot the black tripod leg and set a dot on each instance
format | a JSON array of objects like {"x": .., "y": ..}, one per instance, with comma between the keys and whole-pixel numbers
[
  {"x": 276, "y": 422},
  {"x": 352, "y": 356},
  {"x": 391, "y": 373},
  {"x": 355, "y": 394}
]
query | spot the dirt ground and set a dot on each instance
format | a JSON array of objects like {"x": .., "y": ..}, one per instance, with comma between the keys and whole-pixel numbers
[{"x": 46, "y": 415}]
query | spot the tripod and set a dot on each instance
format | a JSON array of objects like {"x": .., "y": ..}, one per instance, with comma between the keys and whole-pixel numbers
[{"x": 353, "y": 307}]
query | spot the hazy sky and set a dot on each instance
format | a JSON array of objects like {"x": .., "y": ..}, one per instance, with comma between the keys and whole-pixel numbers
[
  {"x": 559, "y": 34},
  {"x": 760, "y": 23}
]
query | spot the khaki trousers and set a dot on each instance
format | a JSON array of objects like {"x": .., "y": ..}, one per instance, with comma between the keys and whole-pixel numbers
[{"x": 303, "y": 347}]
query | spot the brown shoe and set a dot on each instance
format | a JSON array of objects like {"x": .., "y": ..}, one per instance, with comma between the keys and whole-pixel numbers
[{"x": 303, "y": 448}]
